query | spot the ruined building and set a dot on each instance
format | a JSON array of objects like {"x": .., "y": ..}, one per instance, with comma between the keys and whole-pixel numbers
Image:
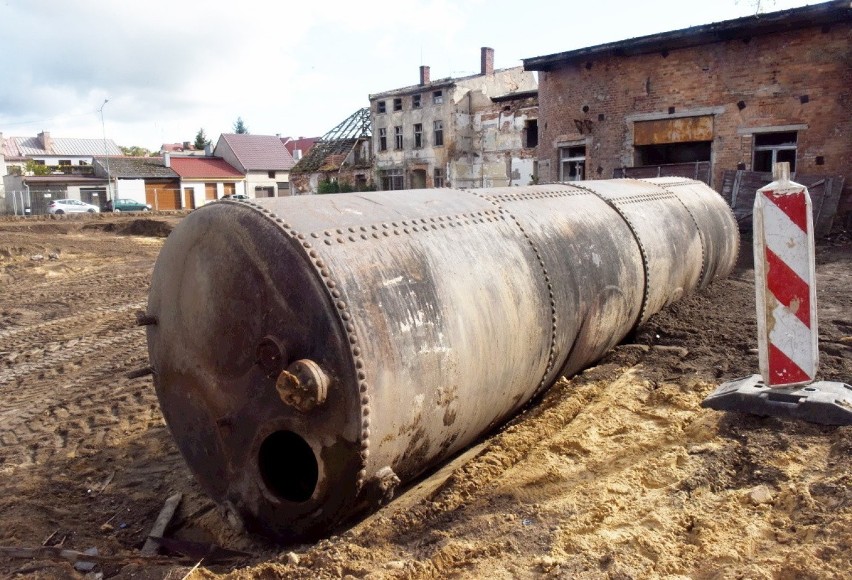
[
  {"x": 474, "y": 131},
  {"x": 339, "y": 161},
  {"x": 705, "y": 101}
]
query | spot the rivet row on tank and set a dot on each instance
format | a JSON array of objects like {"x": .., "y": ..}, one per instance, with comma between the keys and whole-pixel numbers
[
  {"x": 351, "y": 230},
  {"x": 340, "y": 240},
  {"x": 341, "y": 305},
  {"x": 363, "y": 387},
  {"x": 365, "y": 237},
  {"x": 365, "y": 400},
  {"x": 353, "y": 339},
  {"x": 325, "y": 273},
  {"x": 366, "y": 412},
  {"x": 362, "y": 475},
  {"x": 330, "y": 283},
  {"x": 344, "y": 315},
  {"x": 320, "y": 264},
  {"x": 339, "y": 231},
  {"x": 313, "y": 254},
  {"x": 349, "y": 326},
  {"x": 278, "y": 220},
  {"x": 355, "y": 350},
  {"x": 352, "y": 238},
  {"x": 301, "y": 236},
  {"x": 361, "y": 375},
  {"x": 328, "y": 242},
  {"x": 314, "y": 235},
  {"x": 415, "y": 228},
  {"x": 335, "y": 293},
  {"x": 365, "y": 434},
  {"x": 376, "y": 235}
]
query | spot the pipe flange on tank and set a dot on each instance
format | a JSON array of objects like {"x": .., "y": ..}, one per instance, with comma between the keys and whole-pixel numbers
[{"x": 303, "y": 385}]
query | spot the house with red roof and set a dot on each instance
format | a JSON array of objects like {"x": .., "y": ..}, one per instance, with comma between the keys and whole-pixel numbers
[
  {"x": 204, "y": 179},
  {"x": 262, "y": 159},
  {"x": 299, "y": 146}
]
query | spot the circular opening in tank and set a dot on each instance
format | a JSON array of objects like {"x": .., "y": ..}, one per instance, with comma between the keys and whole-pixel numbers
[{"x": 288, "y": 466}]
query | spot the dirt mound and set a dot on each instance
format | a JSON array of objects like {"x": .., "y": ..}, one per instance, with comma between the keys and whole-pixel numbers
[{"x": 145, "y": 227}]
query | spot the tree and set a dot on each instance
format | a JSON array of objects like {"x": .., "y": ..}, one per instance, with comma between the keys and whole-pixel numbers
[
  {"x": 201, "y": 140},
  {"x": 240, "y": 127},
  {"x": 135, "y": 151}
]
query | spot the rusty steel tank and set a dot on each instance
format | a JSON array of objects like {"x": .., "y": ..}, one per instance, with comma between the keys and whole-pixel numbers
[{"x": 312, "y": 353}]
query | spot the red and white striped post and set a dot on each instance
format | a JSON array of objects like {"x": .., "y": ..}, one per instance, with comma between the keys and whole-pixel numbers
[{"x": 785, "y": 282}]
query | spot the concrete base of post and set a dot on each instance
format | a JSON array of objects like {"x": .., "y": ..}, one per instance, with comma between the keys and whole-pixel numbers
[{"x": 822, "y": 402}]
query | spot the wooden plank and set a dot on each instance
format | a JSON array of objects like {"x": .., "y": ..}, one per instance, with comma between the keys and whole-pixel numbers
[{"x": 166, "y": 514}]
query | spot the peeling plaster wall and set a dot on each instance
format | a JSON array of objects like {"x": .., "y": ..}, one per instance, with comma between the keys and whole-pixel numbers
[
  {"x": 498, "y": 156},
  {"x": 461, "y": 156}
]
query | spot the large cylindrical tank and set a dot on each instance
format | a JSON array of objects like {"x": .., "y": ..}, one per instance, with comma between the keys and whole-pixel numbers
[{"x": 310, "y": 353}]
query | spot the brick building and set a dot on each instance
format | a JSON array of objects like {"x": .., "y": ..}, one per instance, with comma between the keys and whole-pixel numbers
[
  {"x": 739, "y": 94},
  {"x": 452, "y": 132}
]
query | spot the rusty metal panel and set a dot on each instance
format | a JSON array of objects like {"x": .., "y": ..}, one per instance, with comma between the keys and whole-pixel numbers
[{"x": 680, "y": 130}]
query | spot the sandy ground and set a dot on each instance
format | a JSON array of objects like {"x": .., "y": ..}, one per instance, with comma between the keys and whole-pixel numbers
[{"x": 615, "y": 473}]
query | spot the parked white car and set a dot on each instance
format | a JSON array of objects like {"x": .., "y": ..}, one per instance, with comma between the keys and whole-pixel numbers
[{"x": 60, "y": 206}]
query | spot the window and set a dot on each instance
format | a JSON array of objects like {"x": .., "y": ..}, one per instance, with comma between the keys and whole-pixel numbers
[
  {"x": 383, "y": 139},
  {"x": 418, "y": 135},
  {"x": 438, "y": 179},
  {"x": 64, "y": 162},
  {"x": 380, "y": 106},
  {"x": 531, "y": 133},
  {"x": 673, "y": 153},
  {"x": 415, "y": 101},
  {"x": 38, "y": 161},
  {"x": 772, "y": 148},
  {"x": 392, "y": 179},
  {"x": 438, "y": 97},
  {"x": 438, "y": 139},
  {"x": 397, "y": 104},
  {"x": 270, "y": 174},
  {"x": 572, "y": 163},
  {"x": 397, "y": 137}
]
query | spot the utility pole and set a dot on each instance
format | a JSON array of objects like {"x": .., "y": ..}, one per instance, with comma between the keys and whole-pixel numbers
[{"x": 106, "y": 155}]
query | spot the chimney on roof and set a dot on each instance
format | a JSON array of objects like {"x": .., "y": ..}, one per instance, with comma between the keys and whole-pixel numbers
[
  {"x": 187, "y": 145},
  {"x": 46, "y": 141},
  {"x": 424, "y": 75},
  {"x": 297, "y": 154},
  {"x": 487, "y": 60},
  {"x": 167, "y": 159},
  {"x": 208, "y": 150}
]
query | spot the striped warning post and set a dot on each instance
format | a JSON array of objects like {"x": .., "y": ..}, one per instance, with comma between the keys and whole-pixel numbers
[{"x": 785, "y": 282}]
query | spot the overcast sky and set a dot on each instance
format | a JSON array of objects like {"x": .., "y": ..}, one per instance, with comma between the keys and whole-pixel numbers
[{"x": 170, "y": 67}]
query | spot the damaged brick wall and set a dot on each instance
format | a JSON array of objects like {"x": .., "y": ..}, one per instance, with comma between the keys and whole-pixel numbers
[{"x": 799, "y": 79}]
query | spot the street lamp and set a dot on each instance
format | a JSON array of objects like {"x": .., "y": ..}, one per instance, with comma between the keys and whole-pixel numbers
[{"x": 106, "y": 153}]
